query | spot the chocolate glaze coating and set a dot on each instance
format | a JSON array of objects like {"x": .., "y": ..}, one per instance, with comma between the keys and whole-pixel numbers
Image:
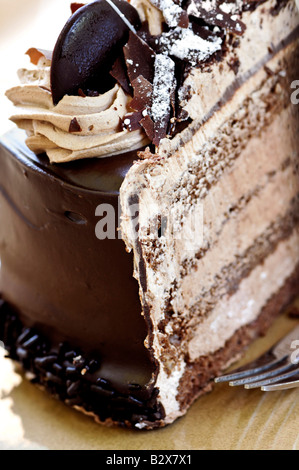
[
  {"x": 83, "y": 57},
  {"x": 56, "y": 273}
]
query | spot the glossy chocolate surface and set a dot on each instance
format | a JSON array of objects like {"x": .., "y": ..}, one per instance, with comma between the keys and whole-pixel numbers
[
  {"x": 83, "y": 56},
  {"x": 59, "y": 276}
]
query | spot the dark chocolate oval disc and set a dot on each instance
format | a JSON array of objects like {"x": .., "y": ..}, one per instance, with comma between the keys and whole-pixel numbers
[{"x": 88, "y": 46}]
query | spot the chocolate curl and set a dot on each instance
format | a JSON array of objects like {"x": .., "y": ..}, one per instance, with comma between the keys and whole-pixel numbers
[{"x": 36, "y": 54}]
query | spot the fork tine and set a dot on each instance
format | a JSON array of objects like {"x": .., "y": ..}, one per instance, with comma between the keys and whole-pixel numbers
[
  {"x": 273, "y": 380},
  {"x": 235, "y": 375},
  {"x": 281, "y": 386},
  {"x": 255, "y": 378}
]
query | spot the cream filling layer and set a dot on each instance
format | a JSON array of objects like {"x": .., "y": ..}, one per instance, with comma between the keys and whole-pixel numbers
[
  {"x": 237, "y": 234},
  {"x": 77, "y": 127},
  {"x": 235, "y": 311}
]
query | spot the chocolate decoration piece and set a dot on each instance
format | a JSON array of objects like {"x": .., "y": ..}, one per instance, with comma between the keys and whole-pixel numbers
[
  {"x": 119, "y": 72},
  {"x": 140, "y": 58},
  {"x": 75, "y": 126},
  {"x": 148, "y": 126},
  {"x": 75, "y": 6},
  {"x": 141, "y": 104},
  {"x": 36, "y": 54},
  {"x": 173, "y": 13},
  {"x": 216, "y": 17},
  {"x": 83, "y": 57},
  {"x": 143, "y": 91},
  {"x": 132, "y": 120},
  {"x": 163, "y": 88}
]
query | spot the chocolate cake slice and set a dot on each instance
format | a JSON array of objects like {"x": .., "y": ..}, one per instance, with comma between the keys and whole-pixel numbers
[{"x": 149, "y": 214}]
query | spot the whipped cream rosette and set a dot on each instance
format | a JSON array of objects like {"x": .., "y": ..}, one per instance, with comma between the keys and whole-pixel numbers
[{"x": 78, "y": 126}]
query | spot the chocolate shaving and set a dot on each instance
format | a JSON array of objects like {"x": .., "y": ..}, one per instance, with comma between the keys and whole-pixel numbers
[
  {"x": 216, "y": 17},
  {"x": 148, "y": 125},
  {"x": 141, "y": 104},
  {"x": 44, "y": 88},
  {"x": 131, "y": 121},
  {"x": 76, "y": 6},
  {"x": 164, "y": 86},
  {"x": 143, "y": 92},
  {"x": 173, "y": 13},
  {"x": 81, "y": 93},
  {"x": 139, "y": 58},
  {"x": 187, "y": 46},
  {"x": 36, "y": 54},
  {"x": 119, "y": 72},
  {"x": 183, "y": 20},
  {"x": 74, "y": 126}
]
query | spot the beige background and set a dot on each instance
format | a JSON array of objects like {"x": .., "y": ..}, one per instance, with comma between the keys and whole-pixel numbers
[{"x": 227, "y": 418}]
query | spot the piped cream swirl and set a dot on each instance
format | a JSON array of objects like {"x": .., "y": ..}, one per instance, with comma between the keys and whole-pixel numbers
[{"x": 97, "y": 131}]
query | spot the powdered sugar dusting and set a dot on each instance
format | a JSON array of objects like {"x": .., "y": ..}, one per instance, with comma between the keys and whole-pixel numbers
[
  {"x": 172, "y": 12},
  {"x": 213, "y": 15},
  {"x": 231, "y": 8},
  {"x": 189, "y": 46},
  {"x": 164, "y": 83},
  {"x": 209, "y": 5}
]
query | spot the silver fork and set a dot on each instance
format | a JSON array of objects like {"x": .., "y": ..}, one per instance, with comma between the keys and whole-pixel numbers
[{"x": 272, "y": 370}]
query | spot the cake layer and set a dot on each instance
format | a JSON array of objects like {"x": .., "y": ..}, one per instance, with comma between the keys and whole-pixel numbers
[{"x": 56, "y": 273}]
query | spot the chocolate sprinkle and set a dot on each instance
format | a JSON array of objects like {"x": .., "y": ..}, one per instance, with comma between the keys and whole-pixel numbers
[{"x": 74, "y": 126}]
